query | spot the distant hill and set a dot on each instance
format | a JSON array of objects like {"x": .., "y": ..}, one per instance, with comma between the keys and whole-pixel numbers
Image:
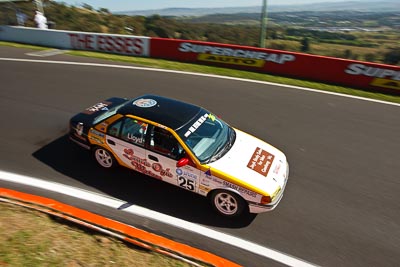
[
  {"x": 191, "y": 11},
  {"x": 362, "y": 6}
]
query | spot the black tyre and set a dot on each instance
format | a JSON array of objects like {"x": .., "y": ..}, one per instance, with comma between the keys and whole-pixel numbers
[
  {"x": 227, "y": 203},
  {"x": 104, "y": 158}
]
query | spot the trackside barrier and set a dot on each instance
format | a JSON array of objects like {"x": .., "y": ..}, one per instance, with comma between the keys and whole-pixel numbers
[
  {"x": 358, "y": 74},
  {"x": 116, "y": 229},
  {"x": 109, "y": 43}
]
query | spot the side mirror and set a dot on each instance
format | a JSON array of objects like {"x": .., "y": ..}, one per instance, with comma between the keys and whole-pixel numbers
[{"x": 182, "y": 162}]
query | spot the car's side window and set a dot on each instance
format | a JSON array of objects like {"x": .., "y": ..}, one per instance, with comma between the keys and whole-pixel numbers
[
  {"x": 134, "y": 131},
  {"x": 115, "y": 128},
  {"x": 129, "y": 130},
  {"x": 163, "y": 142}
]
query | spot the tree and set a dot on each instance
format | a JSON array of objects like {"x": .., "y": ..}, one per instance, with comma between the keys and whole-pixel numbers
[
  {"x": 273, "y": 34},
  {"x": 87, "y": 6},
  {"x": 370, "y": 57},
  {"x": 348, "y": 53},
  {"x": 392, "y": 57},
  {"x": 305, "y": 45},
  {"x": 104, "y": 10}
]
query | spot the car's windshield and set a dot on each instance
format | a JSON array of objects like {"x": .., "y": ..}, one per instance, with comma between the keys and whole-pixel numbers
[{"x": 207, "y": 136}]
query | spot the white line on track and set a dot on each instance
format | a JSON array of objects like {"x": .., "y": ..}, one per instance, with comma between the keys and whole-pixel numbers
[
  {"x": 47, "y": 53},
  {"x": 156, "y": 216},
  {"x": 196, "y": 74}
]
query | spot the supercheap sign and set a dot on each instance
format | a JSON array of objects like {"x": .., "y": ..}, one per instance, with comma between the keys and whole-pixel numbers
[
  {"x": 228, "y": 56},
  {"x": 218, "y": 54},
  {"x": 381, "y": 77}
]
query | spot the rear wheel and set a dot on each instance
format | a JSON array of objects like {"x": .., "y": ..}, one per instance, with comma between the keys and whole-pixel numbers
[
  {"x": 104, "y": 158},
  {"x": 227, "y": 203}
]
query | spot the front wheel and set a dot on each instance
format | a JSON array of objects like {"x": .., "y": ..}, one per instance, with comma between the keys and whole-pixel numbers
[
  {"x": 104, "y": 157},
  {"x": 227, "y": 203}
]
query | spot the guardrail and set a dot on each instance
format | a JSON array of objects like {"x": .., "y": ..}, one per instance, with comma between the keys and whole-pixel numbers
[{"x": 358, "y": 74}]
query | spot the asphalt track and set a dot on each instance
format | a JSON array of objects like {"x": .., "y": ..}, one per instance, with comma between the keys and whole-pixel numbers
[{"x": 341, "y": 204}]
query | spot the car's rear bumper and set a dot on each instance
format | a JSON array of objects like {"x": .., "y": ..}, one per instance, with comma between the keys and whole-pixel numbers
[{"x": 79, "y": 141}]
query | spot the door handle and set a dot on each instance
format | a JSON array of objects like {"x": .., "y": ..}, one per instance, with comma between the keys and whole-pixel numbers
[
  {"x": 153, "y": 158},
  {"x": 111, "y": 142}
]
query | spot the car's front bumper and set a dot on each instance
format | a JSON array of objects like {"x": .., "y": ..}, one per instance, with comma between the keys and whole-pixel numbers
[{"x": 259, "y": 208}]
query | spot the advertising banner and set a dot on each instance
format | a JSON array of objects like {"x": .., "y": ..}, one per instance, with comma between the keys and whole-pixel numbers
[
  {"x": 364, "y": 75},
  {"x": 101, "y": 42}
]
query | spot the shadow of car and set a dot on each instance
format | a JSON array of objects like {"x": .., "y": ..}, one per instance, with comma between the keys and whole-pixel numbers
[{"x": 133, "y": 187}]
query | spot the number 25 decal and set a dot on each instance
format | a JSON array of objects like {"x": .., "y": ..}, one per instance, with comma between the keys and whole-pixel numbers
[{"x": 186, "y": 183}]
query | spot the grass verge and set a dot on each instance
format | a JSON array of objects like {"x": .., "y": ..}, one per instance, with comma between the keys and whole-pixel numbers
[
  {"x": 32, "y": 238},
  {"x": 172, "y": 65}
]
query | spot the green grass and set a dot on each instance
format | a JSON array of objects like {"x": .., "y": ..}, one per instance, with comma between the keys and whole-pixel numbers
[
  {"x": 17, "y": 45},
  {"x": 31, "y": 238},
  {"x": 172, "y": 65}
]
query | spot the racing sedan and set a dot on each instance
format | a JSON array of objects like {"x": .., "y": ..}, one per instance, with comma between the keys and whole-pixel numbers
[{"x": 187, "y": 146}]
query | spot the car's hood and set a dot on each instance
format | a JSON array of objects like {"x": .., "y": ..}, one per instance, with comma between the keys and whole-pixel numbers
[{"x": 254, "y": 162}]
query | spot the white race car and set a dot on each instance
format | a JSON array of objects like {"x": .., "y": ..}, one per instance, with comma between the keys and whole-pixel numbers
[{"x": 185, "y": 145}]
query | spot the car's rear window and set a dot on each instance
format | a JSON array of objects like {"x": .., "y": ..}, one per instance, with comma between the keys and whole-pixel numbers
[{"x": 108, "y": 113}]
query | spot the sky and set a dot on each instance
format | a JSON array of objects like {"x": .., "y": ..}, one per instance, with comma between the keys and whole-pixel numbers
[{"x": 129, "y": 5}]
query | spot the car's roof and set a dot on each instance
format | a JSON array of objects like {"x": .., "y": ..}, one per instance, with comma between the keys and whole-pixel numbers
[{"x": 166, "y": 111}]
